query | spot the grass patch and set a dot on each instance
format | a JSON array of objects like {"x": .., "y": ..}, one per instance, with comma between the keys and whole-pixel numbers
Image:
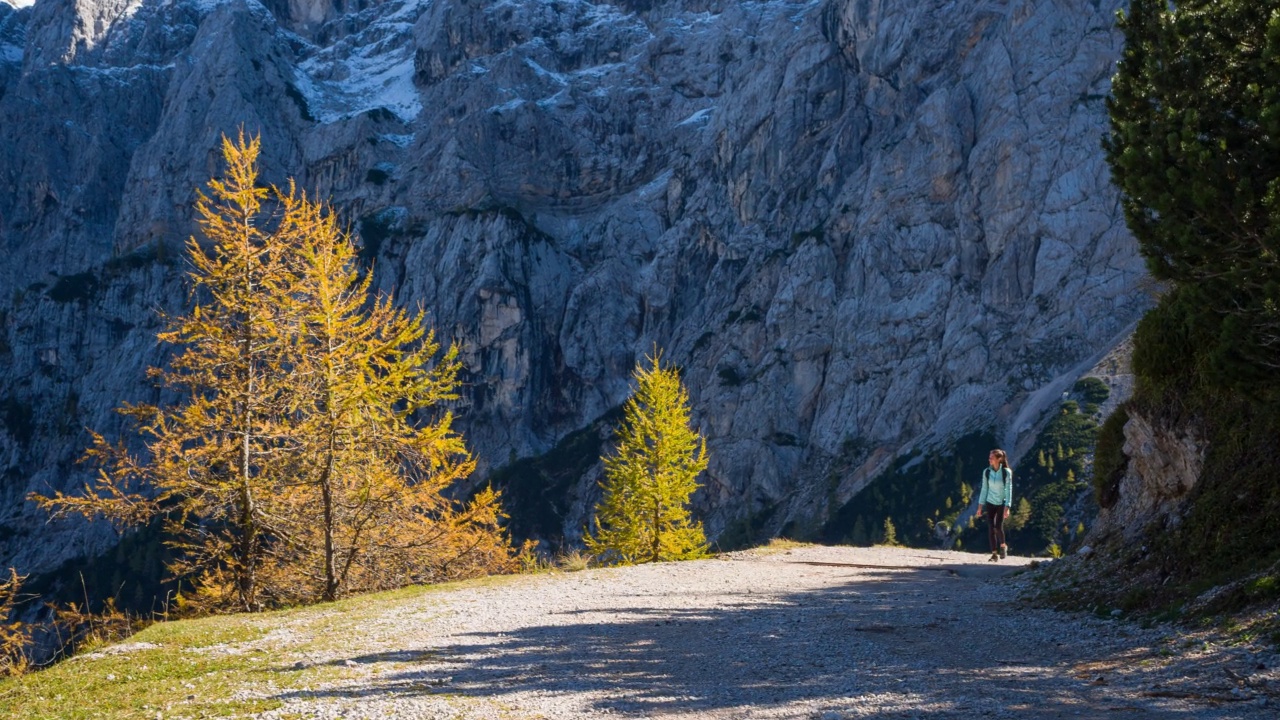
[
  {"x": 196, "y": 668},
  {"x": 777, "y": 546},
  {"x": 1263, "y": 588},
  {"x": 180, "y": 676},
  {"x": 573, "y": 561}
]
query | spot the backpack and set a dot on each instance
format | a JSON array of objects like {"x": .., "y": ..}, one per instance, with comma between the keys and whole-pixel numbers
[{"x": 1005, "y": 473}]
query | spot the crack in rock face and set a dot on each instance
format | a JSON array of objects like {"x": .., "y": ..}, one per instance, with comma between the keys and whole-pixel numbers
[{"x": 857, "y": 226}]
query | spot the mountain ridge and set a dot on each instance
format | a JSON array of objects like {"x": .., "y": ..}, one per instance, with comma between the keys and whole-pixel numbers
[{"x": 853, "y": 224}]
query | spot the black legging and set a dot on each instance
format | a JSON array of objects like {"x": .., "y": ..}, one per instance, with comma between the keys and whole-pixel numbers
[{"x": 995, "y": 525}]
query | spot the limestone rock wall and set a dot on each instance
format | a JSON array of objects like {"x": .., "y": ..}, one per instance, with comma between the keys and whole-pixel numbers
[
  {"x": 1164, "y": 465},
  {"x": 858, "y": 225}
]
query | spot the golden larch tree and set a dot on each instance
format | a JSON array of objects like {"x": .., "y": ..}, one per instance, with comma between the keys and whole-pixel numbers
[
  {"x": 212, "y": 465},
  {"x": 292, "y": 468},
  {"x": 364, "y": 368},
  {"x": 643, "y": 514}
]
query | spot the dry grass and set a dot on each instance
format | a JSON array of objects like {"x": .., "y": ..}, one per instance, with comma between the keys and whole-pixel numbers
[
  {"x": 780, "y": 545},
  {"x": 573, "y": 561}
]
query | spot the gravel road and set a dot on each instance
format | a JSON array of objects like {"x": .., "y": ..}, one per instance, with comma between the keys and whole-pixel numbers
[{"x": 822, "y": 633}]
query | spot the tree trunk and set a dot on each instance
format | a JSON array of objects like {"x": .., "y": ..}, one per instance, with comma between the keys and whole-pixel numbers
[
  {"x": 248, "y": 533},
  {"x": 248, "y": 527},
  {"x": 326, "y": 495},
  {"x": 657, "y": 539},
  {"x": 326, "y": 478}
]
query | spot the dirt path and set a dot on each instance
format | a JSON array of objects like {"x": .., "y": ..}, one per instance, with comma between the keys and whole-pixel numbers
[{"x": 823, "y": 633}]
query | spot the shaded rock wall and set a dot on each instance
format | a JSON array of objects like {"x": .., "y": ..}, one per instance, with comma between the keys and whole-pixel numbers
[
  {"x": 1164, "y": 465},
  {"x": 857, "y": 225}
]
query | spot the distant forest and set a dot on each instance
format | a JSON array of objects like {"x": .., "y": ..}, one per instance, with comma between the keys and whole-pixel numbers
[{"x": 919, "y": 499}]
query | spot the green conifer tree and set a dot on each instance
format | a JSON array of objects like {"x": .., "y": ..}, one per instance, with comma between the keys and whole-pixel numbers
[
  {"x": 643, "y": 515},
  {"x": 889, "y": 535},
  {"x": 1020, "y": 516},
  {"x": 1195, "y": 149}
]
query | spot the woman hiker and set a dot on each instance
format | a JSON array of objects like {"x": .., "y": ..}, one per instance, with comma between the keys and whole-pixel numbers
[{"x": 995, "y": 499}]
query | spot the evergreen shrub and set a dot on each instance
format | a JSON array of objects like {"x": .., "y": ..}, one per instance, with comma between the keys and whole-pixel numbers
[
  {"x": 1092, "y": 390},
  {"x": 1109, "y": 460}
]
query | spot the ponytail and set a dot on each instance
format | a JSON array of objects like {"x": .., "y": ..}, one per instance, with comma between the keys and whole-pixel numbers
[{"x": 1004, "y": 459}]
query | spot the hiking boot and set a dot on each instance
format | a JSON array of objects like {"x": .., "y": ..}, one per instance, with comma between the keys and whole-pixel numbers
[{"x": 1004, "y": 551}]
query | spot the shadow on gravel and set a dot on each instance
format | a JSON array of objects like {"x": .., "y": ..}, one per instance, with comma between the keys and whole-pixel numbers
[{"x": 891, "y": 639}]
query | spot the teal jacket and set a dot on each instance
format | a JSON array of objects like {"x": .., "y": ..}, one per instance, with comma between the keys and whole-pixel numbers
[{"x": 997, "y": 487}]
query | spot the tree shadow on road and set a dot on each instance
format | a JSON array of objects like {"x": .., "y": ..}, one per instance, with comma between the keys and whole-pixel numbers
[{"x": 891, "y": 639}]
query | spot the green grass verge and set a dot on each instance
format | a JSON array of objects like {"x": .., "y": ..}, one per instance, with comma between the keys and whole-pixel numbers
[
  {"x": 188, "y": 672},
  {"x": 222, "y": 666}
]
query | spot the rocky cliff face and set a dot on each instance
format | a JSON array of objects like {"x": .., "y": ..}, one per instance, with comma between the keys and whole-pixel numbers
[
  {"x": 1163, "y": 465},
  {"x": 858, "y": 225}
]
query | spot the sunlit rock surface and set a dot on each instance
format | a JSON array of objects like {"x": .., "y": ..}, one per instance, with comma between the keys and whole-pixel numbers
[{"x": 858, "y": 225}]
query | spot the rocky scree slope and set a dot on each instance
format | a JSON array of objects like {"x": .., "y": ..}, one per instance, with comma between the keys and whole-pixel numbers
[{"x": 859, "y": 226}]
